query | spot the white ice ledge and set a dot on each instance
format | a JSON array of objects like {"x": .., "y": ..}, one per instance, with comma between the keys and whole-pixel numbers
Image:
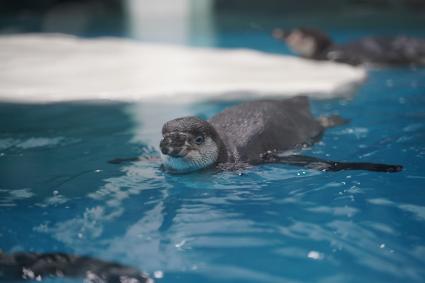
[{"x": 49, "y": 68}]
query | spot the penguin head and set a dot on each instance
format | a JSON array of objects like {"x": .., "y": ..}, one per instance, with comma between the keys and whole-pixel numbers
[
  {"x": 189, "y": 144},
  {"x": 306, "y": 42}
]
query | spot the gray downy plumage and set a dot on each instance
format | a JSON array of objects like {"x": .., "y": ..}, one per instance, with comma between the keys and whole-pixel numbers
[
  {"x": 253, "y": 128},
  {"x": 253, "y": 132}
]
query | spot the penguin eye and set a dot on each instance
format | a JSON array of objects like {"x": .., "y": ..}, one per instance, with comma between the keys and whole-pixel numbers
[{"x": 199, "y": 139}]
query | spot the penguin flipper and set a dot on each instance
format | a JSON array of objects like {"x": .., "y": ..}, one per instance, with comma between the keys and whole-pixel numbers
[
  {"x": 134, "y": 159},
  {"x": 332, "y": 121},
  {"x": 123, "y": 160},
  {"x": 328, "y": 165}
]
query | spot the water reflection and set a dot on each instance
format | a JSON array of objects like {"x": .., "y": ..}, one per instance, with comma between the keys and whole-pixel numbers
[
  {"x": 10, "y": 198},
  {"x": 177, "y": 21}
]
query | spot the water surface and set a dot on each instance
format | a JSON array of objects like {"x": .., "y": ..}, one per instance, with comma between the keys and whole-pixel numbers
[{"x": 272, "y": 223}]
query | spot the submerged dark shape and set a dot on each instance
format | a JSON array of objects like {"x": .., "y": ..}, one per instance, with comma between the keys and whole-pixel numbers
[
  {"x": 255, "y": 132},
  {"x": 382, "y": 51},
  {"x": 38, "y": 266}
]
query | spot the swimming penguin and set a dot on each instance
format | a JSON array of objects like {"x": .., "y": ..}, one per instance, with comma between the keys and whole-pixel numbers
[
  {"x": 37, "y": 266},
  {"x": 382, "y": 51},
  {"x": 252, "y": 133}
]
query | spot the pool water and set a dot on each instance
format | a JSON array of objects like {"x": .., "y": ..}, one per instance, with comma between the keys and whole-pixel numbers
[{"x": 271, "y": 223}]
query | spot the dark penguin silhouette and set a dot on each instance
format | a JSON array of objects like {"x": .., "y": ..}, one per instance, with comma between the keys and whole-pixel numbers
[
  {"x": 253, "y": 133},
  {"x": 382, "y": 51},
  {"x": 38, "y": 266}
]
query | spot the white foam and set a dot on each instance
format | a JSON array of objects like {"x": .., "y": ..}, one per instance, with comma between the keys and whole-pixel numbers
[
  {"x": 45, "y": 68},
  {"x": 314, "y": 255}
]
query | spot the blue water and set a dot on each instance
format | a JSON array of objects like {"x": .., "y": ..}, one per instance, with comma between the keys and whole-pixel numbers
[{"x": 273, "y": 223}]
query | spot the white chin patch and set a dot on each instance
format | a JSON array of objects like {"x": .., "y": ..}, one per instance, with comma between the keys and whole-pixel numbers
[
  {"x": 179, "y": 164},
  {"x": 194, "y": 160},
  {"x": 307, "y": 48},
  {"x": 302, "y": 45}
]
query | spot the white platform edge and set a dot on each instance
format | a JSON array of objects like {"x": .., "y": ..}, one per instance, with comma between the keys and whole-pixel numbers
[{"x": 39, "y": 68}]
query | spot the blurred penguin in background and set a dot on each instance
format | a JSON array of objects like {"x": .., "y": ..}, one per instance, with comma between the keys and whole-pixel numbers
[{"x": 394, "y": 51}]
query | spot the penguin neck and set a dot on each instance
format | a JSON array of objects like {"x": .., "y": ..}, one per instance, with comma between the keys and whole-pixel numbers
[
  {"x": 224, "y": 156},
  {"x": 320, "y": 48},
  {"x": 321, "y": 52}
]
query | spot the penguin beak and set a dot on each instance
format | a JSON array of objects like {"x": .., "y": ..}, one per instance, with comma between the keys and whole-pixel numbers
[{"x": 280, "y": 33}]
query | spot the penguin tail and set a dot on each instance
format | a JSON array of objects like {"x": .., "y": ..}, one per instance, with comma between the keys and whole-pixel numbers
[{"x": 332, "y": 121}]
